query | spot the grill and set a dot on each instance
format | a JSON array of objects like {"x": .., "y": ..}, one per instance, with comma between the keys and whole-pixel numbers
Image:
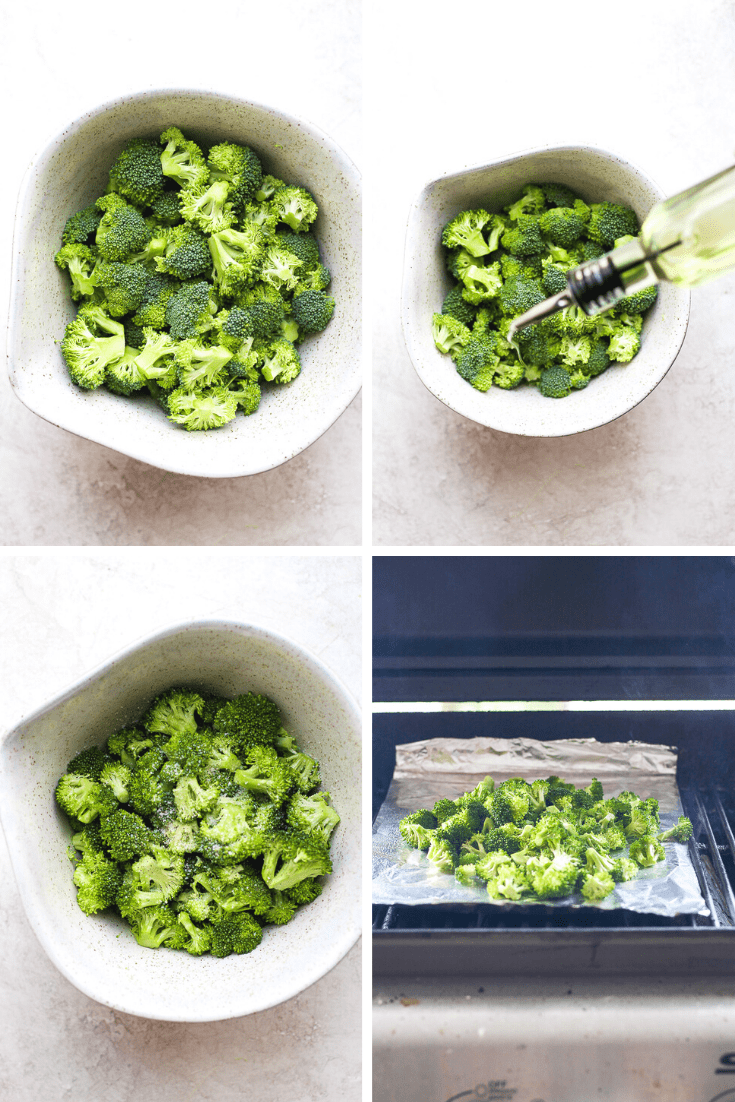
[{"x": 541, "y": 1004}]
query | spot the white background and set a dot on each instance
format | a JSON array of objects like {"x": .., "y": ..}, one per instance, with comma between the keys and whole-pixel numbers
[
  {"x": 60, "y": 60},
  {"x": 64, "y": 613},
  {"x": 653, "y": 80}
]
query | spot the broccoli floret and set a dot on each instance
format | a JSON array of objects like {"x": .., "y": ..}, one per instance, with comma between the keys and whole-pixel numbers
[
  {"x": 296, "y": 207},
  {"x": 555, "y": 382},
  {"x": 202, "y": 409},
  {"x": 208, "y": 207},
  {"x": 443, "y": 855},
  {"x": 240, "y": 167},
  {"x": 291, "y": 857},
  {"x": 198, "y": 366},
  {"x": 477, "y": 361},
  {"x": 457, "y": 307},
  {"x": 165, "y": 210},
  {"x": 117, "y": 778},
  {"x": 558, "y": 195},
  {"x": 624, "y": 344},
  {"x": 136, "y": 174},
  {"x": 189, "y": 311},
  {"x": 123, "y": 284},
  {"x": 246, "y": 393},
  {"x": 79, "y": 261},
  {"x": 186, "y": 254},
  {"x": 269, "y": 185},
  {"x": 465, "y": 232},
  {"x": 266, "y": 774},
  {"x": 156, "y": 359},
  {"x": 125, "y": 835},
  {"x": 561, "y": 225},
  {"x": 680, "y": 832},
  {"x": 151, "y": 312},
  {"x": 182, "y": 160},
  {"x": 98, "y": 881},
  {"x": 282, "y": 363},
  {"x": 524, "y": 238},
  {"x": 250, "y": 719},
  {"x": 265, "y": 316},
  {"x": 312, "y": 311},
  {"x": 520, "y": 294},
  {"x": 236, "y": 933},
  {"x": 637, "y": 303},
  {"x": 81, "y": 227},
  {"x": 87, "y": 352},
  {"x": 609, "y": 221},
  {"x": 84, "y": 799},
  {"x": 192, "y": 800},
  {"x": 89, "y": 763},
  {"x": 532, "y": 202},
  {"x": 237, "y": 256},
  {"x": 122, "y": 230},
  {"x": 303, "y": 245}
]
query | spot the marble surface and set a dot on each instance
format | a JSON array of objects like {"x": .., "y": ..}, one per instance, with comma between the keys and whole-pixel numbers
[
  {"x": 661, "y": 93},
  {"x": 56, "y": 489},
  {"x": 63, "y": 613}
]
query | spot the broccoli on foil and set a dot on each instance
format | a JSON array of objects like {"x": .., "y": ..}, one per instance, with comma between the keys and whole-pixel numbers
[{"x": 532, "y": 842}]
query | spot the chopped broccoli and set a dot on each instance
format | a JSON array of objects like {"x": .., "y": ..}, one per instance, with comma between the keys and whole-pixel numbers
[
  {"x": 201, "y": 257},
  {"x": 136, "y": 174}
]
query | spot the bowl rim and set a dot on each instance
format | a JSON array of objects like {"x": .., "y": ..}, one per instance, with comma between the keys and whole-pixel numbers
[
  {"x": 413, "y": 349},
  {"x": 20, "y": 219},
  {"x": 333, "y": 951}
]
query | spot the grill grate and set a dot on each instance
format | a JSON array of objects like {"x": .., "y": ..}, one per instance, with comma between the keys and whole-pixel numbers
[{"x": 712, "y": 850}]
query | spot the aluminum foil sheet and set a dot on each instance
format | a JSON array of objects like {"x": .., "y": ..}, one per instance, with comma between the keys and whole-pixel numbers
[{"x": 427, "y": 771}]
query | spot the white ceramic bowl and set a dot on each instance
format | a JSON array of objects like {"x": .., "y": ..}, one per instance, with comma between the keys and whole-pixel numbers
[
  {"x": 98, "y": 954},
  {"x": 596, "y": 176},
  {"x": 71, "y": 172}
]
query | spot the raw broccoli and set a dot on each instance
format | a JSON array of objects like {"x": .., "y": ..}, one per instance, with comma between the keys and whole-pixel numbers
[
  {"x": 465, "y": 232},
  {"x": 136, "y": 174},
  {"x": 189, "y": 310},
  {"x": 123, "y": 285},
  {"x": 79, "y": 261},
  {"x": 92, "y": 341},
  {"x": 82, "y": 226},
  {"x": 182, "y": 160},
  {"x": 240, "y": 166},
  {"x": 122, "y": 230},
  {"x": 201, "y": 258},
  {"x": 237, "y": 256},
  {"x": 539, "y": 238},
  {"x": 296, "y": 207},
  {"x": 609, "y": 221},
  {"x": 681, "y": 831},
  {"x": 186, "y": 254},
  {"x": 282, "y": 363}
]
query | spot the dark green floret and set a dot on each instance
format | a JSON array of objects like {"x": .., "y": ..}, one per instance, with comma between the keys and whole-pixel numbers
[{"x": 136, "y": 174}]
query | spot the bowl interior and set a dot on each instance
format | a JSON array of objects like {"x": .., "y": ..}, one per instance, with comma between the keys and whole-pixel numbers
[
  {"x": 71, "y": 173},
  {"x": 596, "y": 176},
  {"x": 98, "y": 953}
]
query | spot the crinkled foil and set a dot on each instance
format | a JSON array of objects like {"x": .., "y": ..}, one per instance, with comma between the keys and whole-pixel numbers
[{"x": 427, "y": 771}]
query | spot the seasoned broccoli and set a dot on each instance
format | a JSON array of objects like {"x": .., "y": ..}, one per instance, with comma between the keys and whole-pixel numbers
[{"x": 540, "y": 841}]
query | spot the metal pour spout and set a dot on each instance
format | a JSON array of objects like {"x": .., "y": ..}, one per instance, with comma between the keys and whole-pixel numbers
[{"x": 599, "y": 284}]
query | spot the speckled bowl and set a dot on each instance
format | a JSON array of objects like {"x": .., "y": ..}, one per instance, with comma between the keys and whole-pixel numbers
[
  {"x": 595, "y": 175},
  {"x": 71, "y": 172},
  {"x": 98, "y": 954}
]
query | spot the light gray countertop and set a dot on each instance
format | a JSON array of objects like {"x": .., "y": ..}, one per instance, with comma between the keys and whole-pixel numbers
[
  {"x": 56, "y": 489},
  {"x": 63, "y": 614},
  {"x": 652, "y": 81}
]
